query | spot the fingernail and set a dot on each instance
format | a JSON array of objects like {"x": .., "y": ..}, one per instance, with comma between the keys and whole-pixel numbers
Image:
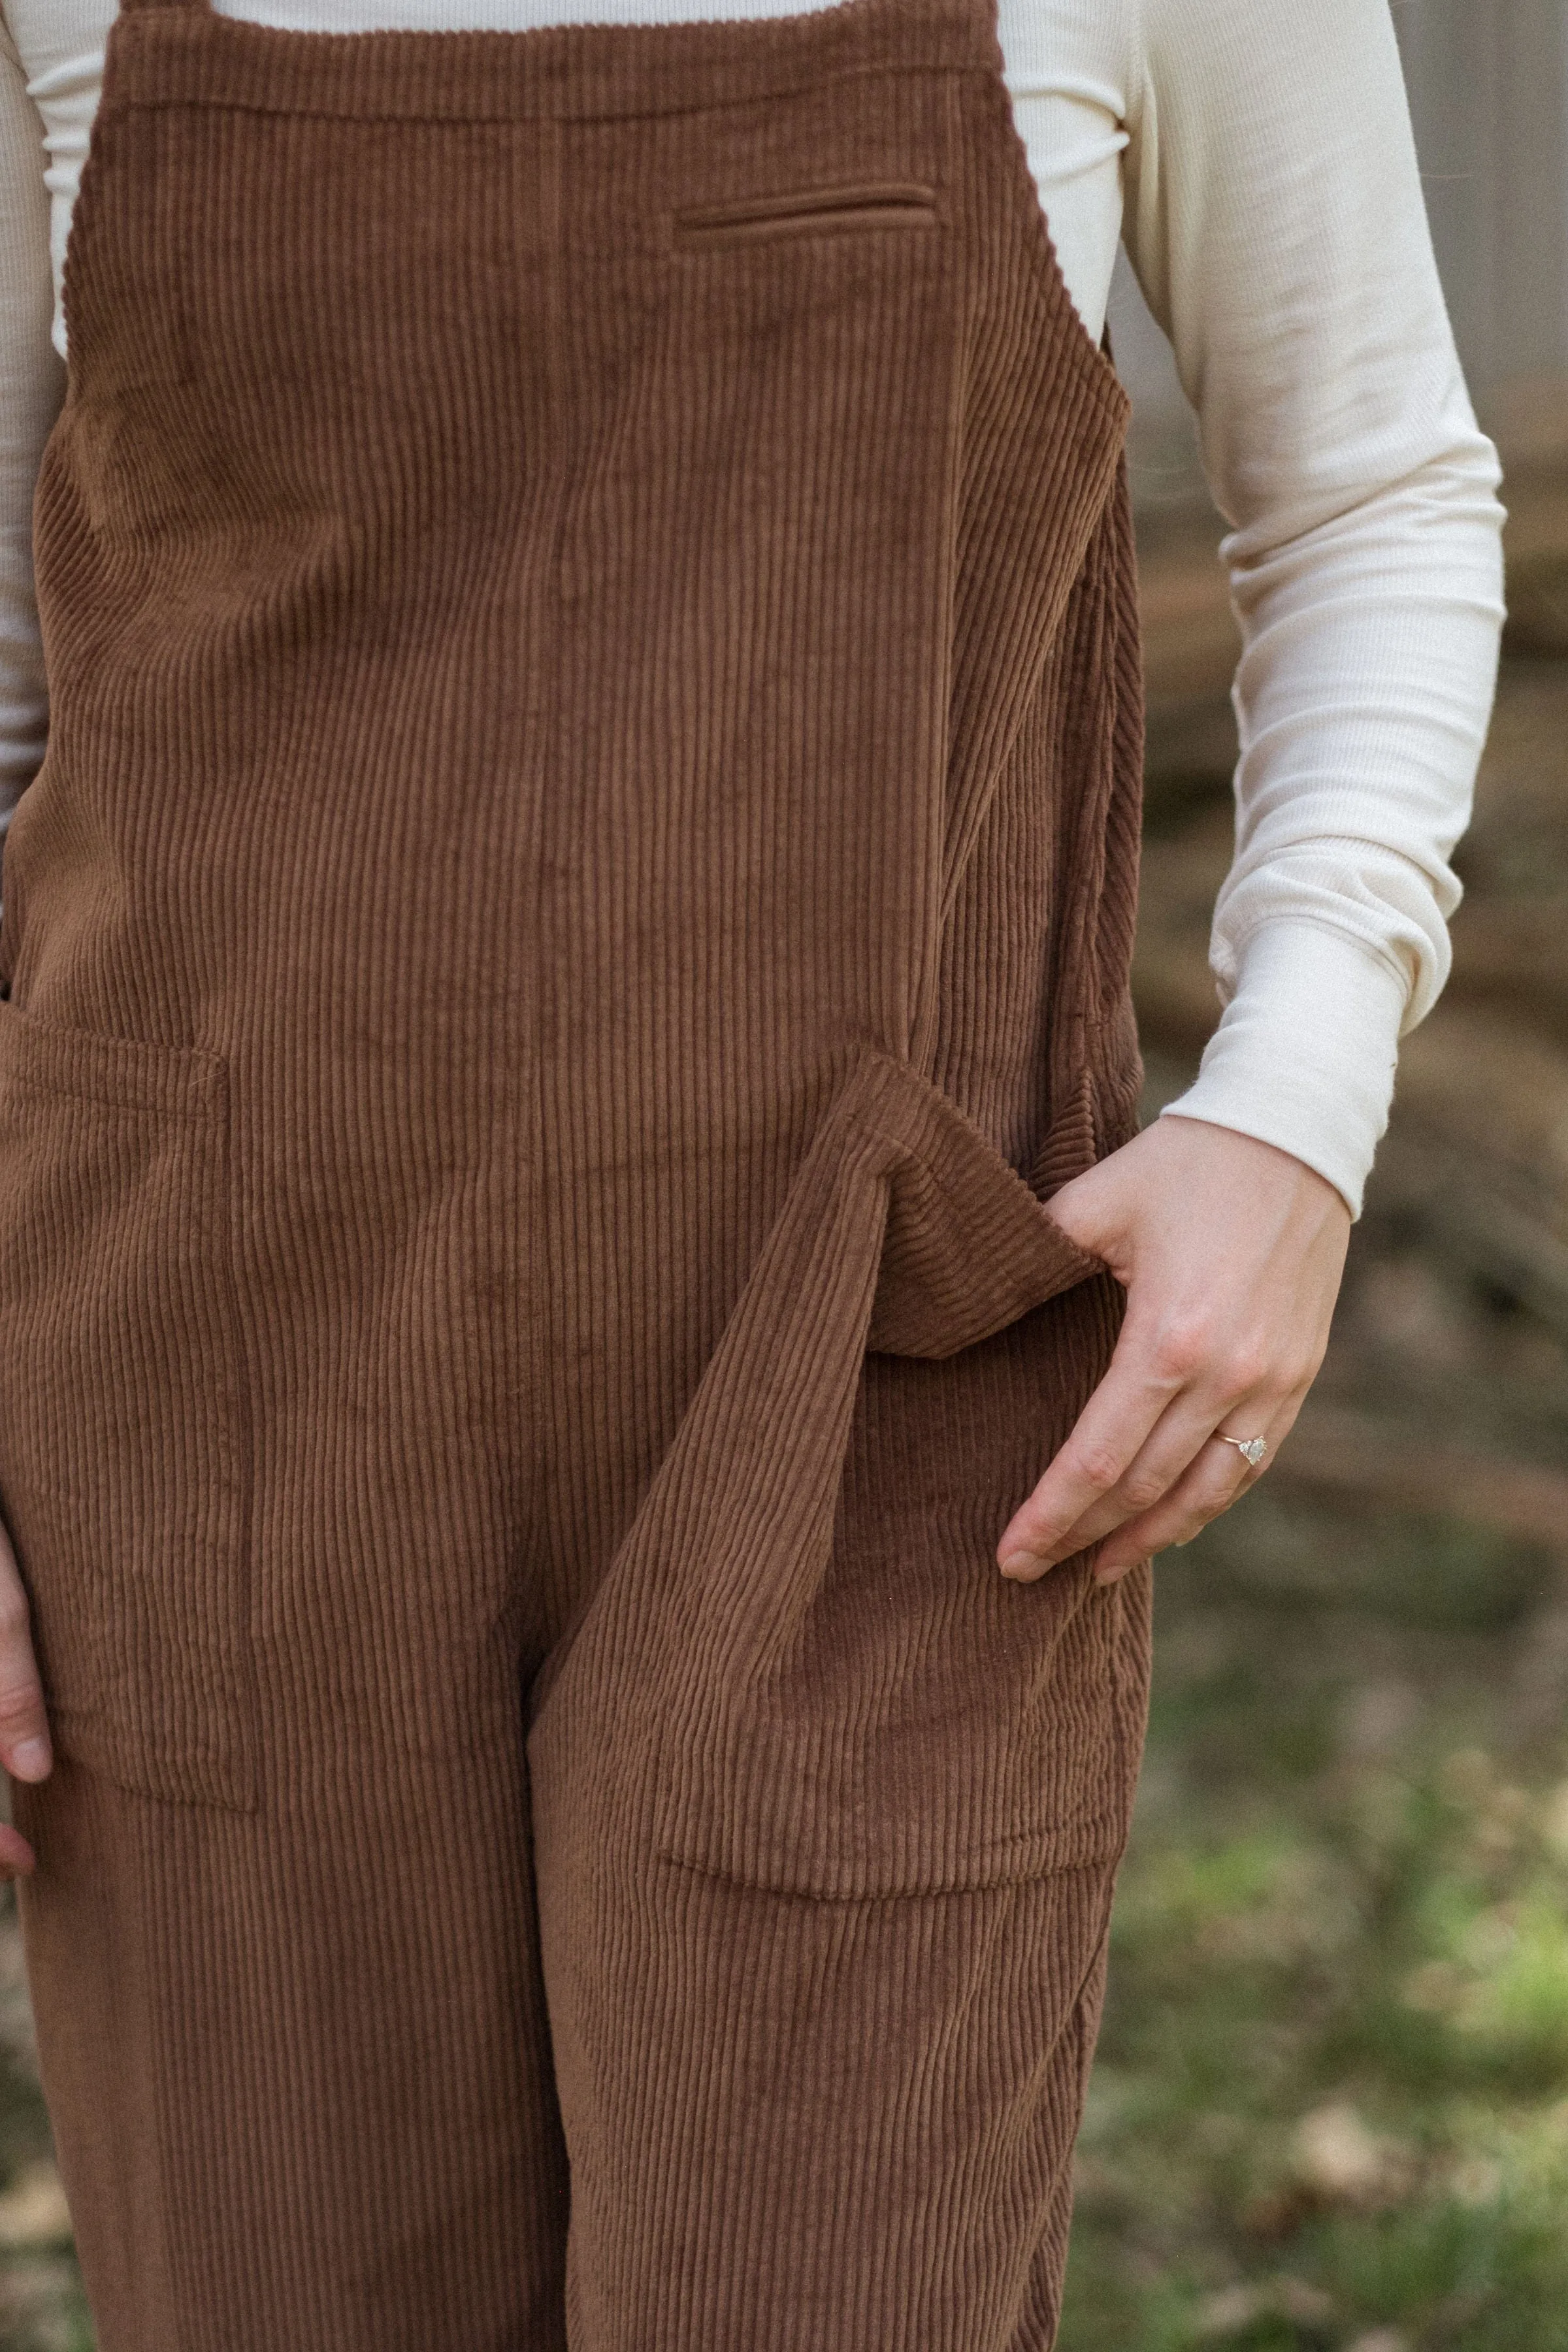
[
  {"x": 31, "y": 1760},
  {"x": 1022, "y": 1564}
]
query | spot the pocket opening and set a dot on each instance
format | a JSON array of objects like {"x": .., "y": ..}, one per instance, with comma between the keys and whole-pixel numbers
[{"x": 868, "y": 205}]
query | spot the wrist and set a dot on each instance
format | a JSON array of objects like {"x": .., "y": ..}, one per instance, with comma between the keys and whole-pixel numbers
[{"x": 1304, "y": 1055}]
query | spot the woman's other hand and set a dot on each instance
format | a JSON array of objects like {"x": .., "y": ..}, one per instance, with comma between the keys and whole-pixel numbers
[
  {"x": 24, "y": 1749},
  {"x": 1232, "y": 1253}
]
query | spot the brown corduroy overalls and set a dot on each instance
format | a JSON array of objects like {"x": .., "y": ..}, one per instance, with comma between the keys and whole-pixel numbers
[{"x": 578, "y": 903}]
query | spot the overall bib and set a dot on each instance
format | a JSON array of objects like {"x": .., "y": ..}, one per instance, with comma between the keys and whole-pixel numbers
[{"x": 578, "y": 904}]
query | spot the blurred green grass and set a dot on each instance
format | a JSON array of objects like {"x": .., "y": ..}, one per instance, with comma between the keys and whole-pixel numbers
[
  {"x": 1330, "y": 2103},
  {"x": 42, "y": 2308}
]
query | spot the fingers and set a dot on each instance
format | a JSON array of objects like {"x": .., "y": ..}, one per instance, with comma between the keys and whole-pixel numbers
[
  {"x": 25, "y": 1748},
  {"x": 1212, "y": 1482},
  {"x": 1172, "y": 1447},
  {"x": 1107, "y": 1437},
  {"x": 17, "y": 1859},
  {"x": 1145, "y": 1425}
]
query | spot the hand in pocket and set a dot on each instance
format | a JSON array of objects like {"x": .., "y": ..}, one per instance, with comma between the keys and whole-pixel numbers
[{"x": 24, "y": 1729}]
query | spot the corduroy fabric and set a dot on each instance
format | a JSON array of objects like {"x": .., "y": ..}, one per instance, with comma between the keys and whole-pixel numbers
[{"x": 578, "y": 904}]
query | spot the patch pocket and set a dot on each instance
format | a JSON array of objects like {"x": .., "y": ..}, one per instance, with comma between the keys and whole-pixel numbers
[
  {"x": 811, "y": 212},
  {"x": 916, "y": 1724},
  {"x": 123, "y": 1447},
  {"x": 803, "y": 1668}
]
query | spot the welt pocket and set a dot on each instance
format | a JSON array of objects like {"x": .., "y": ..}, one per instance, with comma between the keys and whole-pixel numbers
[{"x": 864, "y": 204}]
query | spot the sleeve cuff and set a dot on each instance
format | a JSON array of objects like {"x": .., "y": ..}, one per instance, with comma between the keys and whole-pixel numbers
[{"x": 1305, "y": 1052}]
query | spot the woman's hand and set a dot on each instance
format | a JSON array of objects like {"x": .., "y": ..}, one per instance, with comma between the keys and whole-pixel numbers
[
  {"x": 24, "y": 1728},
  {"x": 1232, "y": 1254}
]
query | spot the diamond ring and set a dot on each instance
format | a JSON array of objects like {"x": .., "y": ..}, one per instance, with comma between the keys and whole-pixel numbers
[{"x": 1251, "y": 1449}]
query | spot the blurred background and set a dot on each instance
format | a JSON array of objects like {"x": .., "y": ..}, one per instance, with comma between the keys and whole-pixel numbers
[
  {"x": 1331, "y": 2108},
  {"x": 1330, "y": 2111}
]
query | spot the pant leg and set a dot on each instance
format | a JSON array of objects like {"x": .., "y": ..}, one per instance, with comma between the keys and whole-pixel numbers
[
  {"x": 795, "y": 2118},
  {"x": 796, "y": 2123},
  {"x": 295, "y": 2055},
  {"x": 297, "y": 2061}
]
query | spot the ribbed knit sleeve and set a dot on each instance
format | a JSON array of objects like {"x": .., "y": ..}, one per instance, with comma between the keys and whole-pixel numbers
[
  {"x": 32, "y": 382},
  {"x": 1276, "y": 219}
]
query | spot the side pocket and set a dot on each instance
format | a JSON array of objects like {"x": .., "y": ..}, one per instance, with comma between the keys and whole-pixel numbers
[
  {"x": 124, "y": 1447},
  {"x": 804, "y": 1670}
]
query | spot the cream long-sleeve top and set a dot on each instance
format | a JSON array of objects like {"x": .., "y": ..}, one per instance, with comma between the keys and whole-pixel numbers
[{"x": 1257, "y": 161}]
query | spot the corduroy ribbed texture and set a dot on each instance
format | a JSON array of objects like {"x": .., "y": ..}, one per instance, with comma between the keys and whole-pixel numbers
[{"x": 578, "y": 904}]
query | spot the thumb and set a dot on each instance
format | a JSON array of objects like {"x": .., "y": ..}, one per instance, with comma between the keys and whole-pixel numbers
[{"x": 1092, "y": 1212}]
